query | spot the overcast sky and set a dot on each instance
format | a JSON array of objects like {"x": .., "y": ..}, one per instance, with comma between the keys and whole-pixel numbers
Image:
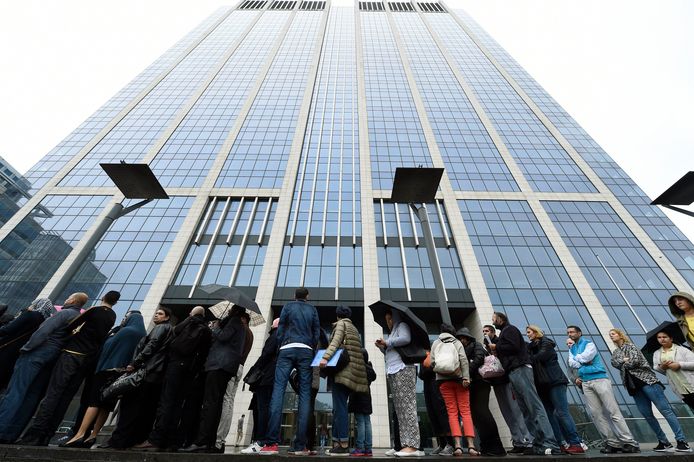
[{"x": 624, "y": 69}]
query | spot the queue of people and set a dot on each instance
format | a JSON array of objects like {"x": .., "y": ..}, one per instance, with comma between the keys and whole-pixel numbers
[{"x": 176, "y": 384}]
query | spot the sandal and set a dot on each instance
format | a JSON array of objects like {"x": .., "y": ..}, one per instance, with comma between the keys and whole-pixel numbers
[
  {"x": 473, "y": 451},
  {"x": 458, "y": 451}
]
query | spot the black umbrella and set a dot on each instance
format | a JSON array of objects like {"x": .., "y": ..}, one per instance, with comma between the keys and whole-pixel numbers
[
  {"x": 418, "y": 329},
  {"x": 669, "y": 327},
  {"x": 235, "y": 296}
]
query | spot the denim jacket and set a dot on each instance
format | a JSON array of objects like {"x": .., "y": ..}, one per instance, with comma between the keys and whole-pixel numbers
[{"x": 298, "y": 324}]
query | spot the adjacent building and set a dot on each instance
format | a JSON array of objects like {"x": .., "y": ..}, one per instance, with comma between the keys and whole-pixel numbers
[{"x": 276, "y": 127}]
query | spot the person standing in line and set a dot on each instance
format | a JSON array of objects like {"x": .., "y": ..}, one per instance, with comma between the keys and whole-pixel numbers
[
  {"x": 597, "y": 389},
  {"x": 222, "y": 362},
  {"x": 508, "y": 405},
  {"x": 262, "y": 388},
  {"x": 642, "y": 385},
  {"x": 228, "y": 403},
  {"x": 551, "y": 383},
  {"x": 677, "y": 363},
  {"x": 16, "y": 332},
  {"x": 89, "y": 331},
  {"x": 360, "y": 406},
  {"x": 490, "y": 442},
  {"x": 403, "y": 382},
  {"x": 116, "y": 354},
  {"x": 436, "y": 409},
  {"x": 298, "y": 334},
  {"x": 188, "y": 348},
  {"x": 452, "y": 369},
  {"x": 33, "y": 369},
  {"x": 350, "y": 379},
  {"x": 239, "y": 430},
  {"x": 682, "y": 308},
  {"x": 513, "y": 354}
]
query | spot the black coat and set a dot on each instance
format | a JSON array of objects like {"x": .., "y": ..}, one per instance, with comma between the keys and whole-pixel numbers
[
  {"x": 543, "y": 354},
  {"x": 511, "y": 349},
  {"x": 267, "y": 361},
  {"x": 475, "y": 355},
  {"x": 191, "y": 343},
  {"x": 360, "y": 403},
  {"x": 13, "y": 335},
  {"x": 227, "y": 346},
  {"x": 151, "y": 352}
]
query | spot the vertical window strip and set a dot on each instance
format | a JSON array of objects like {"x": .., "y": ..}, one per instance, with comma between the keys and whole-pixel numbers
[
  {"x": 206, "y": 220},
  {"x": 265, "y": 219},
  {"x": 211, "y": 245},
  {"x": 242, "y": 249},
  {"x": 235, "y": 223}
]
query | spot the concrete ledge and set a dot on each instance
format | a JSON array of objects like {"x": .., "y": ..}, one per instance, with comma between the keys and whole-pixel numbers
[{"x": 54, "y": 454}]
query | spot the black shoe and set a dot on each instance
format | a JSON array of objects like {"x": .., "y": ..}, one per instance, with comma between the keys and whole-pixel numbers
[
  {"x": 517, "y": 450},
  {"x": 683, "y": 446},
  {"x": 193, "y": 448},
  {"x": 31, "y": 441},
  {"x": 529, "y": 452},
  {"x": 73, "y": 444},
  {"x": 610, "y": 449},
  {"x": 663, "y": 447},
  {"x": 216, "y": 450},
  {"x": 630, "y": 449}
]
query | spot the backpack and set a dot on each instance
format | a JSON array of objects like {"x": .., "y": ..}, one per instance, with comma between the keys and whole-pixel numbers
[{"x": 446, "y": 358}]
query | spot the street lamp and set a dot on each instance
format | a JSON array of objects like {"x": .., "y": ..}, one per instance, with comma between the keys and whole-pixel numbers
[
  {"x": 135, "y": 181},
  {"x": 680, "y": 193},
  {"x": 419, "y": 185}
]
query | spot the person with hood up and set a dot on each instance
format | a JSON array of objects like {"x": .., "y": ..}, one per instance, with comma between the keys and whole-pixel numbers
[
  {"x": 551, "y": 384},
  {"x": 16, "y": 332},
  {"x": 116, "y": 354},
  {"x": 682, "y": 308},
  {"x": 33, "y": 369},
  {"x": 490, "y": 442},
  {"x": 454, "y": 384},
  {"x": 403, "y": 382},
  {"x": 350, "y": 379},
  {"x": 138, "y": 406}
]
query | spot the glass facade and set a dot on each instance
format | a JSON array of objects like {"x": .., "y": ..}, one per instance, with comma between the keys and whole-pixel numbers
[{"x": 271, "y": 148}]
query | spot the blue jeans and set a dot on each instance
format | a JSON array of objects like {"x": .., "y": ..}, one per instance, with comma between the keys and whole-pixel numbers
[
  {"x": 31, "y": 375},
  {"x": 531, "y": 406},
  {"x": 363, "y": 438},
  {"x": 557, "y": 406},
  {"x": 340, "y": 414},
  {"x": 654, "y": 394},
  {"x": 288, "y": 359}
]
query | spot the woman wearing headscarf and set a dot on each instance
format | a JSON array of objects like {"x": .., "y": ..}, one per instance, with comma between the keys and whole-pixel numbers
[
  {"x": 490, "y": 442},
  {"x": 403, "y": 380},
  {"x": 682, "y": 308},
  {"x": 643, "y": 385},
  {"x": 16, "y": 332},
  {"x": 116, "y": 354},
  {"x": 551, "y": 384},
  {"x": 350, "y": 379}
]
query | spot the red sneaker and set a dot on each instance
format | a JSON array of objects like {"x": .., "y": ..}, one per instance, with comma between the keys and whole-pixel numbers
[
  {"x": 269, "y": 449},
  {"x": 574, "y": 449}
]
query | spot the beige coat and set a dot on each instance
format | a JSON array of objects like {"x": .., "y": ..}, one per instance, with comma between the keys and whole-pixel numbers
[
  {"x": 682, "y": 356},
  {"x": 346, "y": 336}
]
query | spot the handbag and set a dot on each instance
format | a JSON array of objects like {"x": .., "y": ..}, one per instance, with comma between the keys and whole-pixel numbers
[
  {"x": 342, "y": 362},
  {"x": 491, "y": 368},
  {"x": 123, "y": 384},
  {"x": 411, "y": 353},
  {"x": 253, "y": 377}
]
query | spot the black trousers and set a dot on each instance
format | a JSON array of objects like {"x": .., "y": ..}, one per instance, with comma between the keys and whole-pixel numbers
[
  {"x": 66, "y": 378},
  {"x": 177, "y": 384},
  {"x": 488, "y": 432},
  {"x": 215, "y": 387},
  {"x": 689, "y": 400},
  {"x": 136, "y": 416},
  {"x": 261, "y": 411},
  {"x": 436, "y": 409},
  {"x": 190, "y": 418}
]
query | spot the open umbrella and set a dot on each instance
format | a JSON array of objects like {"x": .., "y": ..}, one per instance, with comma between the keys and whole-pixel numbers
[
  {"x": 671, "y": 328},
  {"x": 233, "y": 296},
  {"x": 418, "y": 329}
]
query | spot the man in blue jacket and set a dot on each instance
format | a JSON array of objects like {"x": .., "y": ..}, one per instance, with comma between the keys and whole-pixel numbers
[
  {"x": 297, "y": 336},
  {"x": 597, "y": 388}
]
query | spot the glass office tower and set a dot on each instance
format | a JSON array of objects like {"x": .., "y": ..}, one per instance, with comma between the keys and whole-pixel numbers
[{"x": 276, "y": 127}]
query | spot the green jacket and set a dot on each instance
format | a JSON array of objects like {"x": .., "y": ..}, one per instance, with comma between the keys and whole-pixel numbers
[{"x": 346, "y": 336}]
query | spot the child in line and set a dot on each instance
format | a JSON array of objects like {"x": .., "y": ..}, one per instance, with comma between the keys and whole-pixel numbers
[{"x": 360, "y": 405}]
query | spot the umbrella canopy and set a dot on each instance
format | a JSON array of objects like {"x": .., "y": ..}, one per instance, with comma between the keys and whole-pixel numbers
[
  {"x": 671, "y": 328},
  {"x": 418, "y": 329},
  {"x": 233, "y": 296}
]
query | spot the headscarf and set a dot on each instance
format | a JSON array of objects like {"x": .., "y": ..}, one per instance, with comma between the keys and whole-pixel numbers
[{"x": 43, "y": 306}]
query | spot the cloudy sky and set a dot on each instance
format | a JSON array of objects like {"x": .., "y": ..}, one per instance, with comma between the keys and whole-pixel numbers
[{"x": 623, "y": 68}]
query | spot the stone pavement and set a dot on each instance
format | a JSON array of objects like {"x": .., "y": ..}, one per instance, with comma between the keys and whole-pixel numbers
[{"x": 13, "y": 453}]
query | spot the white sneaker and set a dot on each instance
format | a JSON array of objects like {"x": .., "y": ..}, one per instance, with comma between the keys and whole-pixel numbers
[
  {"x": 391, "y": 452},
  {"x": 254, "y": 448},
  {"x": 409, "y": 454}
]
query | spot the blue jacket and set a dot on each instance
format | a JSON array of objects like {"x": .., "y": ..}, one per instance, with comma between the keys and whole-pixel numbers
[
  {"x": 591, "y": 365},
  {"x": 298, "y": 324}
]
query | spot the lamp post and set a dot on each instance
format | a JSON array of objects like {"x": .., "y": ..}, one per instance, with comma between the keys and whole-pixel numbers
[
  {"x": 419, "y": 185},
  {"x": 680, "y": 193},
  {"x": 135, "y": 181}
]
